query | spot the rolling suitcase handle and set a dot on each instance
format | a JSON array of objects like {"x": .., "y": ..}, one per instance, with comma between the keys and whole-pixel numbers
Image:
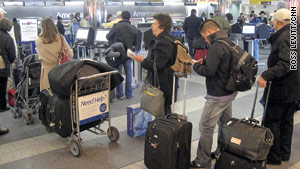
[
  {"x": 251, "y": 119},
  {"x": 179, "y": 74}
]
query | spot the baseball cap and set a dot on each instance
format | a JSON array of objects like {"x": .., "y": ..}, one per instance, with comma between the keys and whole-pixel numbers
[
  {"x": 119, "y": 13},
  {"x": 283, "y": 15},
  {"x": 2, "y": 11}
]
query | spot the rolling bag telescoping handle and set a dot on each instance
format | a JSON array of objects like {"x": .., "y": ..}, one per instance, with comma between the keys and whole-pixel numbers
[{"x": 251, "y": 119}]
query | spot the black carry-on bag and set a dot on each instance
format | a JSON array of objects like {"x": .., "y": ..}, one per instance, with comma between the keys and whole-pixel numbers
[
  {"x": 227, "y": 160},
  {"x": 168, "y": 143},
  {"x": 245, "y": 140},
  {"x": 168, "y": 140}
]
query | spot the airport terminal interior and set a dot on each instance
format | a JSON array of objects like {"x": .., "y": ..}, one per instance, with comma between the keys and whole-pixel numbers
[{"x": 32, "y": 146}]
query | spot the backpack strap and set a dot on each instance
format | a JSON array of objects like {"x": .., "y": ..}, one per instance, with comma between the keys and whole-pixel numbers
[{"x": 234, "y": 48}]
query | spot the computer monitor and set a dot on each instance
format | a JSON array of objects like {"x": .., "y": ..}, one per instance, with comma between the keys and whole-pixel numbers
[
  {"x": 101, "y": 35},
  {"x": 82, "y": 34},
  {"x": 248, "y": 29}
]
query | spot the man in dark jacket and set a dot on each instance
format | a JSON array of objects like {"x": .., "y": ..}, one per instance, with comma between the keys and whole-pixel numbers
[
  {"x": 124, "y": 32},
  {"x": 60, "y": 26},
  {"x": 161, "y": 52},
  {"x": 190, "y": 27},
  {"x": 285, "y": 87},
  {"x": 218, "y": 105}
]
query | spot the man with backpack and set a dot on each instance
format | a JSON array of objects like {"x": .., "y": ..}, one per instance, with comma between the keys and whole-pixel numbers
[{"x": 218, "y": 106}]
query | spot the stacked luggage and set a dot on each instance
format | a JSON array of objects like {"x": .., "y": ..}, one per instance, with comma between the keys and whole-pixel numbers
[
  {"x": 55, "y": 107},
  {"x": 244, "y": 144}
]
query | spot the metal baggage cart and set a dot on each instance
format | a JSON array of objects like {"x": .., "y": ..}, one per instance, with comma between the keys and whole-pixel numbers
[{"x": 90, "y": 103}]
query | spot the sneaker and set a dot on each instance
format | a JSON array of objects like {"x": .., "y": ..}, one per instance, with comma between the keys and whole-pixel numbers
[
  {"x": 3, "y": 131},
  {"x": 121, "y": 98},
  {"x": 193, "y": 164}
]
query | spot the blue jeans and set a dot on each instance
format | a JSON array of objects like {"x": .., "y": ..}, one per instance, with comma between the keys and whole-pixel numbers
[
  {"x": 191, "y": 50},
  {"x": 214, "y": 112},
  {"x": 128, "y": 73},
  {"x": 256, "y": 49}
]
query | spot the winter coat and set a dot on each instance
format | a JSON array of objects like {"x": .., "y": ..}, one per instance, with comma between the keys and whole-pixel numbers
[
  {"x": 17, "y": 30},
  {"x": 123, "y": 32},
  {"x": 191, "y": 25},
  {"x": 217, "y": 66},
  {"x": 224, "y": 25},
  {"x": 61, "y": 28},
  {"x": 48, "y": 54},
  {"x": 285, "y": 82},
  {"x": 161, "y": 52},
  {"x": 7, "y": 51}
]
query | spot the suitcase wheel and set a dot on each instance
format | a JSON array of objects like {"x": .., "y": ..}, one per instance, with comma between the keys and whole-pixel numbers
[
  {"x": 113, "y": 134},
  {"x": 75, "y": 148},
  {"x": 28, "y": 119}
]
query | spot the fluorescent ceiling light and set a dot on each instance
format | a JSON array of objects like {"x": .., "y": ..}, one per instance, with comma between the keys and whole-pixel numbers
[
  {"x": 70, "y": 3},
  {"x": 128, "y": 3},
  {"x": 38, "y": 3},
  {"x": 13, "y": 3},
  {"x": 54, "y": 3},
  {"x": 174, "y": 3}
]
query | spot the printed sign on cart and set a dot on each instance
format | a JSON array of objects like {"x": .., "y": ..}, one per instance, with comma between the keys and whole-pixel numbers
[
  {"x": 92, "y": 107},
  {"x": 29, "y": 29}
]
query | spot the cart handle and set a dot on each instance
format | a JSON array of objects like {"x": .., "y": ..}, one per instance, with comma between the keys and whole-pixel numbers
[{"x": 99, "y": 74}]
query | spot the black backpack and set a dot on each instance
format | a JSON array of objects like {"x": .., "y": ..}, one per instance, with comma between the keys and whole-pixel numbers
[{"x": 244, "y": 69}]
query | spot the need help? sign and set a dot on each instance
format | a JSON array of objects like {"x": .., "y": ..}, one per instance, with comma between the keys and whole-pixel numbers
[{"x": 92, "y": 107}]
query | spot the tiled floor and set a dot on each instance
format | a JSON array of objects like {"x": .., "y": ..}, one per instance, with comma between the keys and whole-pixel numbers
[{"x": 33, "y": 147}]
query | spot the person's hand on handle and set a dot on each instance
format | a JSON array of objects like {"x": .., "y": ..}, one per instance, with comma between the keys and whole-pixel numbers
[
  {"x": 138, "y": 58},
  {"x": 262, "y": 82},
  {"x": 195, "y": 61}
]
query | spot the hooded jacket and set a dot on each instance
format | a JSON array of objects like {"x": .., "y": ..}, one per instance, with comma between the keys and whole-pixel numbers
[{"x": 217, "y": 66}]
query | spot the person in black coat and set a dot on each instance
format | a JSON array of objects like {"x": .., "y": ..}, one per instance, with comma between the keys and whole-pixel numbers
[
  {"x": 161, "y": 52},
  {"x": 60, "y": 26},
  {"x": 190, "y": 27},
  {"x": 285, "y": 87},
  {"x": 262, "y": 17},
  {"x": 8, "y": 53},
  {"x": 124, "y": 32}
]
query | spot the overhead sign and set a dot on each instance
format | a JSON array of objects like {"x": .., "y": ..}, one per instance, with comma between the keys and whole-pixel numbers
[
  {"x": 92, "y": 106},
  {"x": 265, "y": 2},
  {"x": 29, "y": 29}
]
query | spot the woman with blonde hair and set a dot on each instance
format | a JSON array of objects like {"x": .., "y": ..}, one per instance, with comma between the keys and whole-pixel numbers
[{"x": 48, "y": 46}]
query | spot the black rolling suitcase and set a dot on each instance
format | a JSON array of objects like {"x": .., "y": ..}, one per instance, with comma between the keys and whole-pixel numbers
[
  {"x": 44, "y": 114},
  {"x": 168, "y": 143},
  {"x": 228, "y": 160},
  {"x": 245, "y": 140},
  {"x": 54, "y": 112}
]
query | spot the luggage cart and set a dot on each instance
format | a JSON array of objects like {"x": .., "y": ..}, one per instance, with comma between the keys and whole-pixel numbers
[{"x": 89, "y": 104}]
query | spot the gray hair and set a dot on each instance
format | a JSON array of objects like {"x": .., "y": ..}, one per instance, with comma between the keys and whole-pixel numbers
[{"x": 5, "y": 24}]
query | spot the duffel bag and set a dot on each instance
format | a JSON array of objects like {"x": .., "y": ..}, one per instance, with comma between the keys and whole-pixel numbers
[
  {"x": 63, "y": 76},
  {"x": 246, "y": 139}
]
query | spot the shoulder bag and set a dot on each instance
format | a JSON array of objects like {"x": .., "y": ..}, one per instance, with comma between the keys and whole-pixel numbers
[
  {"x": 64, "y": 56},
  {"x": 153, "y": 100},
  {"x": 2, "y": 63}
]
